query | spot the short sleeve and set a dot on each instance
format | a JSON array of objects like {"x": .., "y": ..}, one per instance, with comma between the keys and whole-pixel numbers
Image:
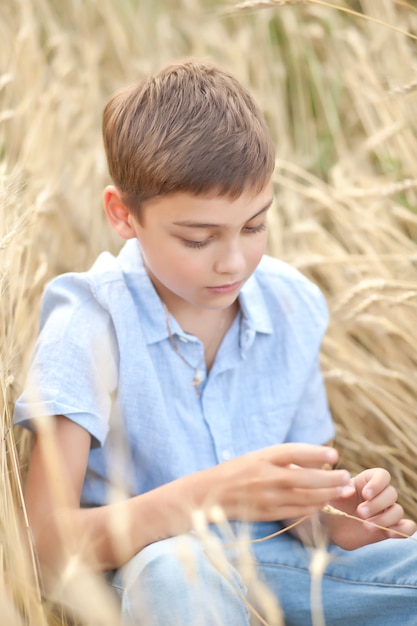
[
  {"x": 306, "y": 316},
  {"x": 73, "y": 369},
  {"x": 312, "y": 420}
]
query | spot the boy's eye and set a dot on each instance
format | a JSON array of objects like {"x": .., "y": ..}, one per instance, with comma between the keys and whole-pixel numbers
[
  {"x": 255, "y": 229},
  {"x": 195, "y": 244},
  {"x": 190, "y": 243}
]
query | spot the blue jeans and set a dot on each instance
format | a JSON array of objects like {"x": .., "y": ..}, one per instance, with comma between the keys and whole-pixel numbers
[{"x": 185, "y": 582}]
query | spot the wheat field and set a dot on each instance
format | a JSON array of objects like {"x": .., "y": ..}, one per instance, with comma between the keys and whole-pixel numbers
[{"x": 338, "y": 85}]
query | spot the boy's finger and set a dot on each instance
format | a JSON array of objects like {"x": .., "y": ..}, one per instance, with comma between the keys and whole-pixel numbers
[
  {"x": 305, "y": 455},
  {"x": 404, "y": 527},
  {"x": 296, "y": 478}
]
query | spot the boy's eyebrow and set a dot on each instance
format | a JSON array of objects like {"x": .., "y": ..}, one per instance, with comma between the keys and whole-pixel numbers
[{"x": 192, "y": 224}]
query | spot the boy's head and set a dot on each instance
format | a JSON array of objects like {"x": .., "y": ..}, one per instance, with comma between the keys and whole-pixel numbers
[{"x": 192, "y": 127}]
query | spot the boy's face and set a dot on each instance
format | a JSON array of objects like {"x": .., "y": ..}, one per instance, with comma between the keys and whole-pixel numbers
[{"x": 200, "y": 250}]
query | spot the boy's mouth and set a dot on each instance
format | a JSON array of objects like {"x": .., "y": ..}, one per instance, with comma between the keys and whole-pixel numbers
[{"x": 228, "y": 288}]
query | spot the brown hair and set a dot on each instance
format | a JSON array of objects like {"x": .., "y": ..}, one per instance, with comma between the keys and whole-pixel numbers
[{"x": 191, "y": 127}]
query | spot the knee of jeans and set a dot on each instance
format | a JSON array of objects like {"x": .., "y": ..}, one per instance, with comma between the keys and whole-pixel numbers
[
  {"x": 173, "y": 581},
  {"x": 169, "y": 564}
]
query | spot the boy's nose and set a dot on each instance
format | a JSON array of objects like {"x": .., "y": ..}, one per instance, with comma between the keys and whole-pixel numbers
[{"x": 231, "y": 261}]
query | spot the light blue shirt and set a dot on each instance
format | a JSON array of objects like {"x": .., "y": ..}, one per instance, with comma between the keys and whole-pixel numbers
[{"x": 104, "y": 359}]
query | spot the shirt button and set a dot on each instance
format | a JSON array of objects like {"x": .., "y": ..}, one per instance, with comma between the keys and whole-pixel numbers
[
  {"x": 183, "y": 339},
  {"x": 226, "y": 455}
]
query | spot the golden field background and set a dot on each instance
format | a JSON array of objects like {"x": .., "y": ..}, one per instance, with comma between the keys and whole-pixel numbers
[{"x": 338, "y": 85}]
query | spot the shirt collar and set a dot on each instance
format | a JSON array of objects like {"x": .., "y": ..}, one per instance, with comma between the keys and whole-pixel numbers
[
  {"x": 255, "y": 313},
  {"x": 145, "y": 297}
]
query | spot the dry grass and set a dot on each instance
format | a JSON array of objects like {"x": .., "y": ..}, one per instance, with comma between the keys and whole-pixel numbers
[{"x": 343, "y": 114}]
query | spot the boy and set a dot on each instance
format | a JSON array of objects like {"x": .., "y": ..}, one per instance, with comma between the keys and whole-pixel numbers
[{"x": 184, "y": 374}]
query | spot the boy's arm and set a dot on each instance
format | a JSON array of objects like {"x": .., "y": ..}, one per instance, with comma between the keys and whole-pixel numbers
[
  {"x": 106, "y": 536},
  {"x": 258, "y": 486}
]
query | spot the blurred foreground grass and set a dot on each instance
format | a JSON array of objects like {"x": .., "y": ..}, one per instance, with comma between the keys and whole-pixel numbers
[{"x": 340, "y": 95}]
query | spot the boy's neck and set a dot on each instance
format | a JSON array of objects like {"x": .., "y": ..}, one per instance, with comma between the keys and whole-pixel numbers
[{"x": 208, "y": 325}]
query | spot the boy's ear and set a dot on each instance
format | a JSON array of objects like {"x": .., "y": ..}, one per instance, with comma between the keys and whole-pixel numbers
[{"x": 117, "y": 213}]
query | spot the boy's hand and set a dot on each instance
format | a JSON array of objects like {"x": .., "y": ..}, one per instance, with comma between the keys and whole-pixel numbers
[
  {"x": 278, "y": 482},
  {"x": 374, "y": 499}
]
